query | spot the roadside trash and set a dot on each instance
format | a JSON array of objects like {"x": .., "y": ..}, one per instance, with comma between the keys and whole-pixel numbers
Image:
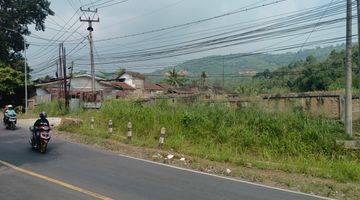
[
  {"x": 228, "y": 171},
  {"x": 157, "y": 156}
]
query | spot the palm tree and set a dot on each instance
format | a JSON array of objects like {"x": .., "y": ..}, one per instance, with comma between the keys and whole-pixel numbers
[{"x": 175, "y": 78}]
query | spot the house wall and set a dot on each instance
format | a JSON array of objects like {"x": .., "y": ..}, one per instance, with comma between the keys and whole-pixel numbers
[
  {"x": 84, "y": 83},
  {"x": 41, "y": 92},
  {"x": 78, "y": 84},
  {"x": 128, "y": 80},
  {"x": 139, "y": 83},
  {"x": 42, "y": 96},
  {"x": 133, "y": 81}
]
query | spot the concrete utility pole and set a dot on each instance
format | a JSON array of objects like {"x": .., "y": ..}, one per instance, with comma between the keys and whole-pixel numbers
[
  {"x": 65, "y": 78},
  {"x": 223, "y": 72},
  {"x": 90, "y": 29},
  {"x": 71, "y": 75},
  {"x": 358, "y": 18},
  {"x": 60, "y": 70},
  {"x": 348, "y": 92},
  {"x": 26, "y": 84}
]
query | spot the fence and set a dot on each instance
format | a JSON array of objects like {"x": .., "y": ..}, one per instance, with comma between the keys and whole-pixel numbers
[{"x": 328, "y": 104}]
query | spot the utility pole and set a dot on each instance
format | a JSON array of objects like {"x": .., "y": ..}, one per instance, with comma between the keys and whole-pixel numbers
[
  {"x": 90, "y": 29},
  {"x": 57, "y": 70},
  {"x": 65, "y": 79},
  {"x": 70, "y": 78},
  {"x": 26, "y": 84},
  {"x": 358, "y": 19},
  {"x": 60, "y": 61},
  {"x": 223, "y": 72},
  {"x": 60, "y": 64},
  {"x": 71, "y": 75},
  {"x": 348, "y": 92}
]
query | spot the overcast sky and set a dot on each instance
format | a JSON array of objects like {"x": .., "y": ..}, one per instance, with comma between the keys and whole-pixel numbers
[{"x": 135, "y": 16}]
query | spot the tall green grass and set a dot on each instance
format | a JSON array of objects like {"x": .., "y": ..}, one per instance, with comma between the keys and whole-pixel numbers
[
  {"x": 53, "y": 108},
  {"x": 290, "y": 141}
]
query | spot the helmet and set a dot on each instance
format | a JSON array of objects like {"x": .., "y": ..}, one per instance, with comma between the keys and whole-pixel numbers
[
  {"x": 10, "y": 107},
  {"x": 42, "y": 115}
]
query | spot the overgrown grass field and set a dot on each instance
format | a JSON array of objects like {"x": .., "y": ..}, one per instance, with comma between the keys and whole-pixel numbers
[{"x": 291, "y": 141}]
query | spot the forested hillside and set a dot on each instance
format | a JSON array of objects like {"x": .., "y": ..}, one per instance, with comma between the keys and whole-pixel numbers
[
  {"x": 310, "y": 74},
  {"x": 236, "y": 63}
]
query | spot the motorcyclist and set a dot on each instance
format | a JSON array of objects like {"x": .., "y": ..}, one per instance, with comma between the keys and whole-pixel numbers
[
  {"x": 42, "y": 121},
  {"x": 4, "y": 111},
  {"x": 9, "y": 112}
]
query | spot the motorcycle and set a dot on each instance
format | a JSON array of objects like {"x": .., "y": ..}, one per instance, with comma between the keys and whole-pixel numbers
[
  {"x": 40, "y": 138},
  {"x": 11, "y": 122}
]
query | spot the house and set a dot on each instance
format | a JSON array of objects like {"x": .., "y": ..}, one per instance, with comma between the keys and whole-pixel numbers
[
  {"x": 133, "y": 79},
  {"x": 153, "y": 89},
  {"x": 80, "y": 88},
  {"x": 166, "y": 87},
  {"x": 123, "y": 89}
]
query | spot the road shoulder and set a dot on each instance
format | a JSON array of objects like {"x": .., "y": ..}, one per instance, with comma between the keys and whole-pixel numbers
[{"x": 271, "y": 178}]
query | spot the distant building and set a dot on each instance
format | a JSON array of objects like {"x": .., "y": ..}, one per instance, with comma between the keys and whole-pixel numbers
[
  {"x": 127, "y": 85},
  {"x": 153, "y": 89},
  {"x": 80, "y": 88},
  {"x": 134, "y": 79},
  {"x": 166, "y": 87},
  {"x": 123, "y": 89}
]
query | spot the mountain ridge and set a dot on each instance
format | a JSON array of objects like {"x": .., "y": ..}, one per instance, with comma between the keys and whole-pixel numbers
[{"x": 240, "y": 63}]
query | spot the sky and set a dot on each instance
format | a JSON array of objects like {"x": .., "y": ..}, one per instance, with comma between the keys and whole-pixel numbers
[{"x": 137, "y": 16}]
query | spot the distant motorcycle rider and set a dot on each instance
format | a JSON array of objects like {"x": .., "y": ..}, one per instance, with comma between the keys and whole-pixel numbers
[
  {"x": 9, "y": 112},
  {"x": 42, "y": 121}
]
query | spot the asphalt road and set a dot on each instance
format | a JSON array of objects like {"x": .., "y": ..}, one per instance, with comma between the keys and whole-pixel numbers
[{"x": 108, "y": 174}]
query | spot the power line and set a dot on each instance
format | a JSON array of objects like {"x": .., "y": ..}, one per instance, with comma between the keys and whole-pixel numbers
[
  {"x": 218, "y": 41},
  {"x": 112, "y": 4},
  {"x": 63, "y": 27},
  {"x": 316, "y": 25},
  {"x": 280, "y": 24},
  {"x": 193, "y": 22}
]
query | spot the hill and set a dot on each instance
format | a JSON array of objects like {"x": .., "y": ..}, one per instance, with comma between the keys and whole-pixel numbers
[
  {"x": 240, "y": 63},
  {"x": 310, "y": 74}
]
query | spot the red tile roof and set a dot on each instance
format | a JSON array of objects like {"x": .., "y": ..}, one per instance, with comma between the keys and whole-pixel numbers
[
  {"x": 165, "y": 86},
  {"x": 123, "y": 85},
  {"x": 153, "y": 87}
]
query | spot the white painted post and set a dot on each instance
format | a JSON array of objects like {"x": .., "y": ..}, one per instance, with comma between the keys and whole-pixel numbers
[
  {"x": 162, "y": 137},
  {"x": 92, "y": 121},
  {"x": 129, "y": 133},
  {"x": 110, "y": 126}
]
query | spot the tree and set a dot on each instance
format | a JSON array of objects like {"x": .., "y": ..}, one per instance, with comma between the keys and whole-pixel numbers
[
  {"x": 175, "y": 78},
  {"x": 10, "y": 80},
  {"x": 311, "y": 59},
  {"x": 16, "y": 16}
]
